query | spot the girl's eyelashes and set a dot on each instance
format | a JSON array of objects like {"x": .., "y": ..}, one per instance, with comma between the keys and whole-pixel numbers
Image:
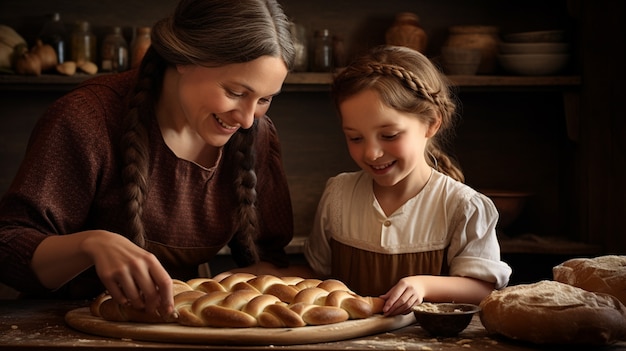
[
  {"x": 390, "y": 136},
  {"x": 386, "y": 137},
  {"x": 353, "y": 139}
]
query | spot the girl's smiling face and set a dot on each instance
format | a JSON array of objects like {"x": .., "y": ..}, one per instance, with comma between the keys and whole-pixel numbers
[
  {"x": 384, "y": 142},
  {"x": 217, "y": 101}
]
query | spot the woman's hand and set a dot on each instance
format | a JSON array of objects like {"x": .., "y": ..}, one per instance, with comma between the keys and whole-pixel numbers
[{"x": 131, "y": 274}]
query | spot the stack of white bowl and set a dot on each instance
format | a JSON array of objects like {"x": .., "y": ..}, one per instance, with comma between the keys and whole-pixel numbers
[{"x": 534, "y": 53}]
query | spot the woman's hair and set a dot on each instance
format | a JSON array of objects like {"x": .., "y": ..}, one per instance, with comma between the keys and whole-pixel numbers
[
  {"x": 208, "y": 33},
  {"x": 406, "y": 81}
]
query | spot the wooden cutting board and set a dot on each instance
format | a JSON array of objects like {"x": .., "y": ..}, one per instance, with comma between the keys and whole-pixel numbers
[{"x": 82, "y": 320}]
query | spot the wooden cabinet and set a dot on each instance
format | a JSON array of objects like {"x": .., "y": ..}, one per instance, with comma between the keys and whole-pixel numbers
[{"x": 559, "y": 137}]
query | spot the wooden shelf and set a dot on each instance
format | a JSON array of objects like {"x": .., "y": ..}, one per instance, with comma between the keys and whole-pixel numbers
[
  {"x": 321, "y": 81},
  {"x": 476, "y": 80},
  {"x": 44, "y": 82},
  {"x": 309, "y": 81}
]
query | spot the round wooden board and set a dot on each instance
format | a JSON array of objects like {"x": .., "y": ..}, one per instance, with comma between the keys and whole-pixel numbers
[{"x": 82, "y": 320}]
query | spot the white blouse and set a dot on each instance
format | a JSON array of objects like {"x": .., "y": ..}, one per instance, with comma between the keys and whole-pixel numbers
[{"x": 446, "y": 213}]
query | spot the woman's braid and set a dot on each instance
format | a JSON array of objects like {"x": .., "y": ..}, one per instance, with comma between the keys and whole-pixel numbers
[
  {"x": 245, "y": 219},
  {"x": 134, "y": 145}
]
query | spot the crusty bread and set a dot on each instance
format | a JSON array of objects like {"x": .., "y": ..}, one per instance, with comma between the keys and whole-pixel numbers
[
  {"x": 605, "y": 274},
  {"x": 244, "y": 300},
  {"x": 550, "y": 312}
]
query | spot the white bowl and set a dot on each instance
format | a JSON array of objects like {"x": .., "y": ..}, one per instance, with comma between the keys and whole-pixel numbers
[
  {"x": 533, "y": 64},
  {"x": 545, "y": 36},
  {"x": 533, "y": 48}
]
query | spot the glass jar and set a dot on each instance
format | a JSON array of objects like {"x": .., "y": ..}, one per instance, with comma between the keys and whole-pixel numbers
[
  {"x": 83, "y": 43},
  {"x": 300, "y": 43},
  {"x": 54, "y": 34},
  {"x": 323, "y": 51},
  {"x": 484, "y": 38},
  {"x": 114, "y": 52},
  {"x": 139, "y": 46},
  {"x": 406, "y": 31}
]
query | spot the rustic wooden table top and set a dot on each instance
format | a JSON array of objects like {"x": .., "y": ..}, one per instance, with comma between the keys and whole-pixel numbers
[{"x": 40, "y": 325}]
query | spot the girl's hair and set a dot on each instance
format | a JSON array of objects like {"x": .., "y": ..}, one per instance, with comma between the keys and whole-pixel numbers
[
  {"x": 208, "y": 33},
  {"x": 406, "y": 81}
]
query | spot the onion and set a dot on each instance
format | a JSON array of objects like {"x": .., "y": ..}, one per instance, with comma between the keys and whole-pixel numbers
[
  {"x": 28, "y": 64},
  {"x": 47, "y": 55}
]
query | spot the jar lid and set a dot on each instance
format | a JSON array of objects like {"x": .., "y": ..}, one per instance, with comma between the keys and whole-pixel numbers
[
  {"x": 83, "y": 26},
  {"x": 407, "y": 17},
  {"x": 322, "y": 33}
]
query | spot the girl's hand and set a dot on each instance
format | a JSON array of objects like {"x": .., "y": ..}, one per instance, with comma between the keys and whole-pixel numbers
[
  {"x": 131, "y": 274},
  {"x": 412, "y": 290},
  {"x": 401, "y": 298}
]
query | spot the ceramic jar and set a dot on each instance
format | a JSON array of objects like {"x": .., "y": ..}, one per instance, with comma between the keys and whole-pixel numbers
[
  {"x": 340, "y": 58},
  {"x": 406, "y": 31},
  {"x": 484, "y": 38}
]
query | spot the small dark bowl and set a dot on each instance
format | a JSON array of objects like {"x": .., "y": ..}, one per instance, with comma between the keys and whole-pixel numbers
[{"x": 444, "y": 319}]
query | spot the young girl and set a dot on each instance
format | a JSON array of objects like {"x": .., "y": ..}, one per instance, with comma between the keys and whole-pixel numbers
[
  {"x": 133, "y": 179},
  {"x": 405, "y": 226}
]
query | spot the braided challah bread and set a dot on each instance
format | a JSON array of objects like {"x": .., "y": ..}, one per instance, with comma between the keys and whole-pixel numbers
[{"x": 245, "y": 300}]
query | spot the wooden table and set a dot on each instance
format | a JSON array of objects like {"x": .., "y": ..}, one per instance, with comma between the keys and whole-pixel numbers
[{"x": 40, "y": 325}]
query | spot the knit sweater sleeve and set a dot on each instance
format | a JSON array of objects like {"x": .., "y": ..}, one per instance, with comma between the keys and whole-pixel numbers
[{"x": 55, "y": 184}]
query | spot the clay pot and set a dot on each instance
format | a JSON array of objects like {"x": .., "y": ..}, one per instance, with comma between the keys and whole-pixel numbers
[
  {"x": 484, "y": 38},
  {"x": 406, "y": 31},
  {"x": 460, "y": 61}
]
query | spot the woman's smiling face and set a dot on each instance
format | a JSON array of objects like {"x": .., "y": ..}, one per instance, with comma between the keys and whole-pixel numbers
[
  {"x": 217, "y": 101},
  {"x": 384, "y": 142}
]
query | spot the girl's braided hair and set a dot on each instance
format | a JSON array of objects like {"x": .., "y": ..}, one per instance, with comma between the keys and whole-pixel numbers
[
  {"x": 407, "y": 81},
  {"x": 208, "y": 33}
]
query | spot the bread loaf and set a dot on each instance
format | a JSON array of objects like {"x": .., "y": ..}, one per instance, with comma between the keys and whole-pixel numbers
[
  {"x": 550, "y": 312},
  {"x": 605, "y": 274},
  {"x": 244, "y": 300}
]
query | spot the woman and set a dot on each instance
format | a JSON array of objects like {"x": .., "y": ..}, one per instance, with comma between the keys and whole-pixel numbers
[{"x": 131, "y": 180}]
